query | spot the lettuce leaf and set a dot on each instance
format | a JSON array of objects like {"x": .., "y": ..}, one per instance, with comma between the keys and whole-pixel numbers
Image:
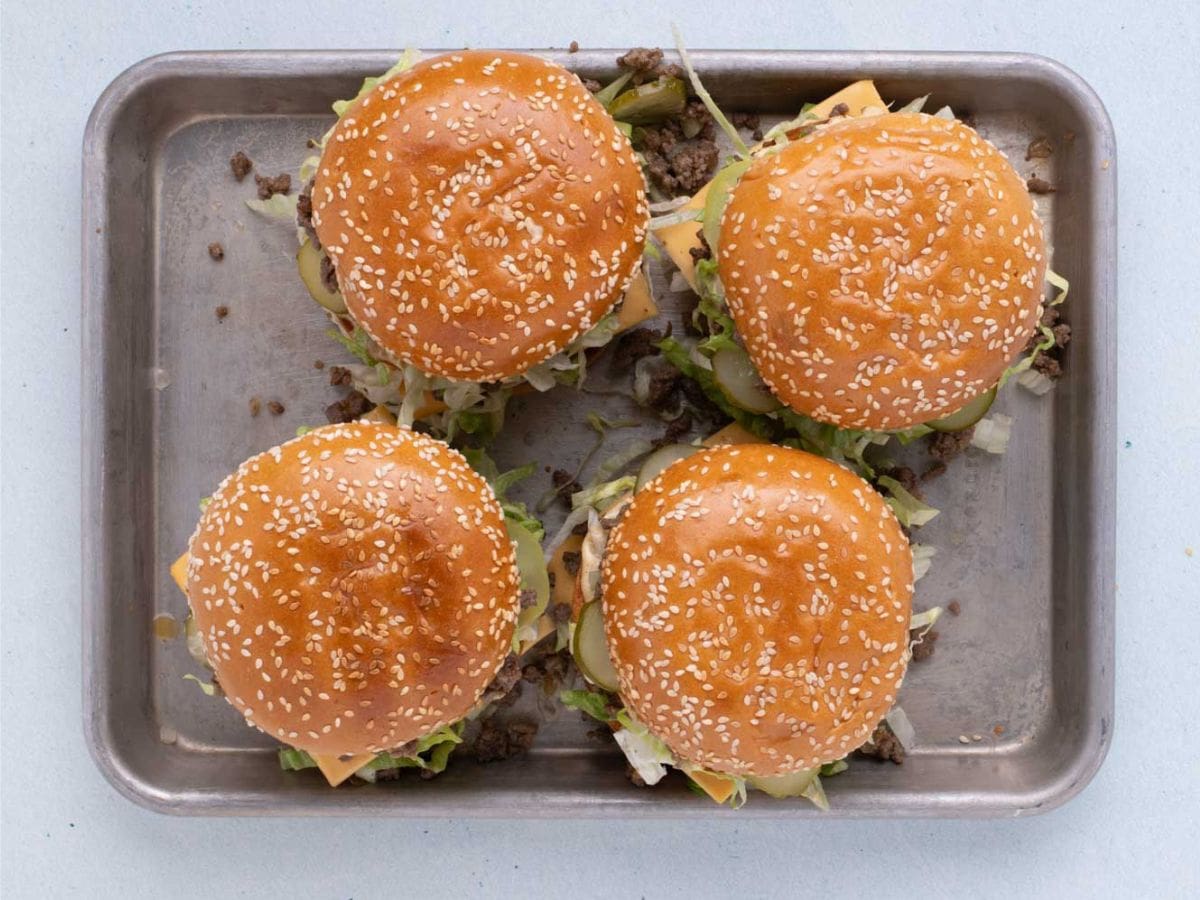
[
  {"x": 407, "y": 60},
  {"x": 908, "y": 509},
  {"x": 593, "y": 703}
]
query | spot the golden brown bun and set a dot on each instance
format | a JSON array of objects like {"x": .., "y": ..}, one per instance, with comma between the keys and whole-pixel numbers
[
  {"x": 355, "y": 588},
  {"x": 756, "y": 603},
  {"x": 883, "y": 271},
  {"x": 482, "y": 211}
]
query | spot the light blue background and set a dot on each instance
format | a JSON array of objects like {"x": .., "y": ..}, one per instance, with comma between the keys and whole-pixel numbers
[{"x": 1133, "y": 832}]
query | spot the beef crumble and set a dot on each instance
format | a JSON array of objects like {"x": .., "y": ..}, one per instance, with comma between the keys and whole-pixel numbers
[
  {"x": 632, "y": 346},
  {"x": 1039, "y": 186},
  {"x": 255, "y": 406},
  {"x": 304, "y": 213},
  {"x": 505, "y": 680},
  {"x": 276, "y": 408},
  {"x": 496, "y": 742},
  {"x": 1049, "y": 361},
  {"x": 908, "y": 479},
  {"x": 240, "y": 164},
  {"x": 923, "y": 644},
  {"x": 340, "y": 375},
  {"x": 571, "y": 560},
  {"x": 216, "y": 251},
  {"x": 269, "y": 186},
  {"x": 349, "y": 409},
  {"x": 945, "y": 445},
  {"x": 222, "y": 312},
  {"x": 936, "y": 469},
  {"x": 883, "y": 745},
  {"x": 646, "y": 64}
]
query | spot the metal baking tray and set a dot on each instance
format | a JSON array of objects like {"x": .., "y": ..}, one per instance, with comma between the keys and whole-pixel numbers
[{"x": 1026, "y": 540}]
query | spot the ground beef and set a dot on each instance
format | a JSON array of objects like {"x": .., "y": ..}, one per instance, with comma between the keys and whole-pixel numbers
[
  {"x": 841, "y": 109},
  {"x": 580, "y": 530},
  {"x": 936, "y": 469},
  {"x": 908, "y": 479},
  {"x": 329, "y": 275},
  {"x": 643, "y": 62},
  {"x": 349, "y": 409},
  {"x": 318, "y": 364},
  {"x": 560, "y": 613},
  {"x": 571, "y": 560},
  {"x": 222, "y": 313},
  {"x": 681, "y": 154},
  {"x": 496, "y": 742},
  {"x": 565, "y": 484},
  {"x": 700, "y": 403},
  {"x": 304, "y": 213},
  {"x": 924, "y": 646},
  {"x": 1038, "y": 185},
  {"x": 676, "y": 429},
  {"x": 269, "y": 186},
  {"x": 506, "y": 678},
  {"x": 216, "y": 251},
  {"x": 241, "y": 165},
  {"x": 632, "y": 346},
  {"x": 509, "y": 699},
  {"x": 552, "y": 666},
  {"x": 1049, "y": 362},
  {"x": 592, "y": 85},
  {"x": 883, "y": 745},
  {"x": 701, "y": 252},
  {"x": 276, "y": 408},
  {"x": 1039, "y": 148},
  {"x": 944, "y": 446},
  {"x": 750, "y": 122},
  {"x": 574, "y": 47},
  {"x": 340, "y": 375},
  {"x": 527, "y": 598},
  {"x": 255, "y": 406},
  {"x": 954, "y": 607}
]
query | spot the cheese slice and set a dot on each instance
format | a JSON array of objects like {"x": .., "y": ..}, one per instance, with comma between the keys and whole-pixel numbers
[
  {"x": 716, "y": 786},
  {"x": 733, "y": 433},
  {"x": 337, "y": 769},
  {"x": 638, "y": 305},
  {"x": 680, "y": 239},
  {"x": 179, "y": 571}
]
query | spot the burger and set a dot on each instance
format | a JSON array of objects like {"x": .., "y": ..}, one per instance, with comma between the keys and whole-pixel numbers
[
  {"x": 744, "y": 617},
  {"x": 864, "y": 274},
  {"x": 474, "y": 224},
  {"x": 357, "y": 595}
]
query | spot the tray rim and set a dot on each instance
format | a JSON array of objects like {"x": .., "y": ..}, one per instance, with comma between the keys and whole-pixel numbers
[{"x": 1099, "y": 589}]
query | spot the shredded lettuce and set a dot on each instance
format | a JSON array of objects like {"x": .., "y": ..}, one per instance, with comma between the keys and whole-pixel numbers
[
  {"x": 607, "y": 94},
  {"x": 647, "y": 754},
  {"x": 1035, "y": 382},
  {"x": 209, "y": 688},
  {"x": 1063, "y": 287},
  {"x": 620, "y": 460},
  {"x": 908, "y": 509},
  {"x": 992, "y": 433},
  {"x": 715, "y": 111},
  {"x": 600, "y": 496},
  {"x": 281, "y": 207},
  {"x": 358, "y": 343},
  {"x": 593, "y": 703},
  {"x": 293, "y": 760},
  {"x": 897, "y": 720},
  {"x": 407, "y": 60},
  {"x": 430, "y": 753},
  {"x": 922, "y": 560}
]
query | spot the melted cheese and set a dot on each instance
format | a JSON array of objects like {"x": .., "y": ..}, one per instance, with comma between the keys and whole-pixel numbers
[
  {"x": 179, "y": 572},
  {"x": 716, "y": 786},
  {"x": 638, "y": 305},
  {"x": 337, "y": 769},
  {"x": 680, "y": 239},
  {"x": 733, "y": 433}
]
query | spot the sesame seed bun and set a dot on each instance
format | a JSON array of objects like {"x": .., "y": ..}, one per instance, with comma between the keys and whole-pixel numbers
[
  {"x": 481, "y": 210},
  {"x": 757, "y": 603},
  {"x": 355, "y": 588},
  {"x": 883, "y": 271}
]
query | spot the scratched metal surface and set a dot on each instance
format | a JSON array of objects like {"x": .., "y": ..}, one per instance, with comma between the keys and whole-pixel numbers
[{"x": 1025, "y": 544}]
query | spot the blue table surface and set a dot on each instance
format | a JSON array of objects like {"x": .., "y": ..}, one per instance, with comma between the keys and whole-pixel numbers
[{"x": 1131, "y": 833}]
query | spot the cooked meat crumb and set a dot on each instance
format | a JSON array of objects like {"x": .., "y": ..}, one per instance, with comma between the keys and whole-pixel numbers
[
  {"x": 1049, "y": 362},
  {"x": 632, "y": 346},
  {"x": 571, "y": 560},
  {"x": 580, "y": 529},
  {"x": 923, "y": 646},
  {"x": 350, "y": 408},
  {"x": 907, "y": 478},
  {"x": 954, "y": 607},
  {"x": 496, "y": 742},
  {"x": 268, "y": 186},
  {"x": 340, "y": 375},
  {"x": 222, "y": 312},
  {"x": 574, "y": 47},
  {"x": 883, "y": 745},
  {"x": 936, "y": 469},
  {"x": 241, "y": 165},
  {"x": 1039, "y": 148},
  {"x": 681, "y": 155},
  {"x": 676, "y": 429},
  {"x": 560, "y": 612},
  {"x": 998, "y": 730},
  {"x": 318, "y": 364},
  {"x": 1039, "y": 186},
  {"x": 276, "y": 408},
  {"x": 565, "y": 483},
  {"x": 945, "y": 445},
  {"x": 255, "y": 406},
  {"x": 592, "y": 85},
  {"x": 703, "y": 251},
  {"x": 643, "y": 61},
  {"x": 747, "y": 121},
  {"x": 304, "y": 213},
  {"x": 329, "y": 275},
  {"x": 527, "y": 598},
  {"x": 506, "y": 678},
  {"x": 216, "y": 251},
  {"x": 841, "y": 109}
]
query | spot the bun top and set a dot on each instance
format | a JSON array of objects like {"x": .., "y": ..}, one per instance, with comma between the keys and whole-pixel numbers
[
  {"x": 481, "y": 210},
  {"x": 355, "y": 588},
  {"x": 757, "y": 603},
  {"x": 883, "y": 271}
]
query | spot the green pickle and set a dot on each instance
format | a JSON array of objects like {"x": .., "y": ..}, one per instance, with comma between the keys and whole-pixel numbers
[{"x": 650, "y": 103}]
